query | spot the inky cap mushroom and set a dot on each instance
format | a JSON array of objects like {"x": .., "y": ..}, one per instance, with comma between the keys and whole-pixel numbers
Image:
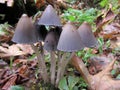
[
  {"x": 70, "y": 40},
  {"x": 51, "y": 39},
  {"x": 86, "y": 35},
  {"x": 49, "y": 17},
  {"x": 25, "y": 32}
]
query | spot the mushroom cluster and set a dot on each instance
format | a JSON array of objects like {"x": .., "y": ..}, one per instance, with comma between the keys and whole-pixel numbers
[{"x": 58, "y": 41}]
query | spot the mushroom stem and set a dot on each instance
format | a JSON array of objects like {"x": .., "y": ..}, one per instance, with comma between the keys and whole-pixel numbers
[
  {"x": 62, "y": 65},
  {"x": 53, "y": 67},
  {"x": 41, "y": 63}
]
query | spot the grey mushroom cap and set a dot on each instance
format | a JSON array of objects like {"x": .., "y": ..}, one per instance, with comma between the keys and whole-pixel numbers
[
  {"x": 87, "y": 36},
  {"x": 70, "y": 40},
  {"x": 49, "y": 17},
  {"x": 51, "y": 40},
  {"x": 25, "y": 32}
]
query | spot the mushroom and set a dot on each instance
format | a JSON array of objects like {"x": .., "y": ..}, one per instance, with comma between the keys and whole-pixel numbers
[
  {"x": 49, "y": 17},
  {"x": 50, "y": 44},
  {"x": 70, "y": 41},
  {"x": 25, "y": 33},
  {"x": 87, "y": 37},
  {"x": 51, "y": 39}
]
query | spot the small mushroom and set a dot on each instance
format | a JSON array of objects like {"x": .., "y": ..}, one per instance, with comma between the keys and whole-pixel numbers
[
  {"x": 70, "y": 40},
  {"x": 49, "y": 17},
  {"x": 52, "y": 38},
  {"x": 50, "y": 45},
  {"x": 87, "y": 37},
  {"x": 25, "y": 32}
]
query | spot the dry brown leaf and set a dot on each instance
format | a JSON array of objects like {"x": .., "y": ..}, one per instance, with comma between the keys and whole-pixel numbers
[
  {"x": 96, "y": 64},
  {"x": 10, "y": 82},
  {"x": 109, "y": 16},
  {"x": 101, "y": 21},
  {"x": 15, "y": 50},
  {"x": 115, "y": 43},
  {"x": 100, "y": 81},
  {"x": 111, "y": 31},
  {"x": 22, "y": 69},
  {"x": 40, "y": 3},
  {"x": 18, "y": 61}
]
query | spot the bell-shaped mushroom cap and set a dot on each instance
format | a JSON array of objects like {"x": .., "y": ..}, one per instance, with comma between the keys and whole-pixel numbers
[
  {"x": 51, "y": 40},
  {"x": 70, "y": 39},
  {"x": 86, "y": 35},
  {"x": 49, "y": 17},
  {"x": 25, "y": 32}
]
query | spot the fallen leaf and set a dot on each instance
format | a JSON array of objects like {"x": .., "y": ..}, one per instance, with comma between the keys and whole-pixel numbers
[
  {"x": 10, "y": 82},
  {"x": 22, "y": 69},
  {"x": 40, "y": 3},
  {"x": 109, "y": 16},
  {"x": 111, "y": 31},
  {"x": 15, "y": 50},
  {"x": 100, "y": 81}
]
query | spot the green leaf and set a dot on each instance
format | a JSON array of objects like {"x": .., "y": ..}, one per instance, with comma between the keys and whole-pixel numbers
[
  {"x": 113, "y": 72},
  {"x": 103, "y": 3},
  {"x": 75, "y": 88},
  {"x": 118, "y": 76},
  {"x": 72, "y": 81},
  {"x": 17, "y": 88},
  {"x": 63, "y": 84}
]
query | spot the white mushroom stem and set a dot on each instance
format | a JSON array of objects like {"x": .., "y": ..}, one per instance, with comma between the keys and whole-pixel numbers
[
  {"x": 53, "y": 67},
  {"x": 41, "y": 64},
  {"x": 62, "y": 65}
]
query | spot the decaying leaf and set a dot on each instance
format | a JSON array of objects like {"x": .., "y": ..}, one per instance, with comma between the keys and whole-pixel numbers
[
  {"x": 40, "y": 3},
  {"x": 100, "y": 81},
  {"x": 10, "y": 82},
  {"x": 8, "y": 78},
  {"x": 104, "y": 18},
  {"x": 15, "y": 50},
  {"x": 111, "y": 31}
]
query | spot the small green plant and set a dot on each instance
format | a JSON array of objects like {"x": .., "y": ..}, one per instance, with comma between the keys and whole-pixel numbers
[
  {"x": 106, "y": 3},
  {"x": 80, "y": 16},
  {"x": 4, "y": 29},
  {"x": 82, "y": 84},
  {"x": 68, "y": 83},
  {"x": 102, "y": 44},
  {"x": 118, "y": 76},
  {"x": 11, "y": 62},
  {"x": 17, "y": 87},
  {"x": 72, "y": 83},
  {"x": 85, "y": 54}
]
